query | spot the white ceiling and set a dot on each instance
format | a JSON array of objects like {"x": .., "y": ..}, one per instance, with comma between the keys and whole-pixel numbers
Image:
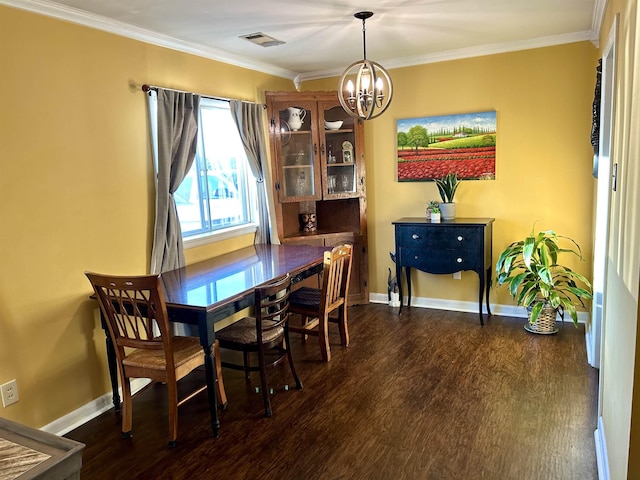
[{"x": 322, "y": 37}]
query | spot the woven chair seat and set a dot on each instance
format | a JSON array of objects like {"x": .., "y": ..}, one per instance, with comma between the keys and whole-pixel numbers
[
  {"x": 306, "y": 297},
  {"x": 244, "y": 331},
  {"x": 185, "y": 349}
]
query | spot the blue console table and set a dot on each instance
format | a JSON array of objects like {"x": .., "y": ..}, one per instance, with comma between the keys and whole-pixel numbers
[{"x": 445, "y": 247}]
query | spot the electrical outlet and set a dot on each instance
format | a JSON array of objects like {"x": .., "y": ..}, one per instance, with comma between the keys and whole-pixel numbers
[
  {"x": 457, "y": 275},
  {"x": 9, "y": 393}
]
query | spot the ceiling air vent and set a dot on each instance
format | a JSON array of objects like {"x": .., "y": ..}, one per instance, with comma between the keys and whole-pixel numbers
[{"x": 261, "y": 39}]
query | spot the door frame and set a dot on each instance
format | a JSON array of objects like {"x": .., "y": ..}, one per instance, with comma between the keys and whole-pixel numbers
[{"x": 602, "y": 203}]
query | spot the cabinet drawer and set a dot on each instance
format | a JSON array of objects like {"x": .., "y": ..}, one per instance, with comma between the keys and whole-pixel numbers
[
  {"x": 437, "y": 260},
  {"x": 438, "y": 238}
]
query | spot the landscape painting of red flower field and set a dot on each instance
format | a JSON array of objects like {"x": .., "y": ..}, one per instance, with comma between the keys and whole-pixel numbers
[{"x": 432, "y": 147}]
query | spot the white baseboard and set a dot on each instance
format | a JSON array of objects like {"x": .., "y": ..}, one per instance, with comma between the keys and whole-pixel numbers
[
  {"x": 460, "y": 306},
  {"x": 91, "y": 410},
  {"x": 601, "y": 452}
]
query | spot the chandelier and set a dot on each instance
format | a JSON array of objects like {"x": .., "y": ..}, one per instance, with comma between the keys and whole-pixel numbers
[{"x": 365, "y": 88}]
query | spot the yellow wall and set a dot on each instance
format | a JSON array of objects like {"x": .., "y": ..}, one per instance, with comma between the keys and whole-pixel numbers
[
  {"x": 618, "y": 377},
  {"x": 76, "y": 181},
  {"x": 544, "y": 157},
  {"x": 76, "y": 193}
]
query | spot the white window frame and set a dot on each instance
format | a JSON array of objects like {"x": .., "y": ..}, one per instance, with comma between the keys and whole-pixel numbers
[{"x": 234, "y": 231}]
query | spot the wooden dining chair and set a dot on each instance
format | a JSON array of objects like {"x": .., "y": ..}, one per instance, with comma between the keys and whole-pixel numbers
[
  {"x": 265, "y": 333},
  {"x": 136, "y": 316},
  {"x": 318, "y": 307}
]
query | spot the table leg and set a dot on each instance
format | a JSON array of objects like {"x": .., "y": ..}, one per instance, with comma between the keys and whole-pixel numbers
[
  {"x": 210, "y": 375},
  {"x": 112, "y": 363}
]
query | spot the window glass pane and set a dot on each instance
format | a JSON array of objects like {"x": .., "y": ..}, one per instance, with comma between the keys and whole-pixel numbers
[{"x": 216, "y": 193}]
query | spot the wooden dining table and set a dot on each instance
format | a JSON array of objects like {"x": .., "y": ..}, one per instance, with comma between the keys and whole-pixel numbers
[{"x": 204, "y": 293}]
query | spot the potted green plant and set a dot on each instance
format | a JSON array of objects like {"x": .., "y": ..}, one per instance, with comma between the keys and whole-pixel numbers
[
  {"x": 447, "y": 187},
  {"x": 432, "y": 206},
  {"x": 535, "y": 279},
  {"x": 435, "y": 214}
]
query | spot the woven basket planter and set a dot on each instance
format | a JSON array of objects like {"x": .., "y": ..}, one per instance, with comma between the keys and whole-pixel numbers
[{"x": 545, "y": 324}]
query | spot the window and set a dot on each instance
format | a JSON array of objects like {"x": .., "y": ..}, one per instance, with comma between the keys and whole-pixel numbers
[{"x": 217, "y": 193}]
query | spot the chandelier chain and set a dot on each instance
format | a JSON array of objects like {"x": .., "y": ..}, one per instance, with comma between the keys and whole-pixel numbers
[{"x": 364, "y": 41}]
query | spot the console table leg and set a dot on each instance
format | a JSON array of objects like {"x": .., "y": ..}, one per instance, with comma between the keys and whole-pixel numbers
[
  {"x": 480, "y": 295},
  {"x": 407, "y": 271},
  {"x": 399, "y": 278},
  {"x": 488, "y": 287}
]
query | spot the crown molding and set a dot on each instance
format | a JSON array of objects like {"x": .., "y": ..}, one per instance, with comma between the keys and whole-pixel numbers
[
  {"x": 80, "y": 17},
  {"x": 479, "y": 51},
  {"x": 98, "y": 22},
  {"x": 596, "y": 21}
]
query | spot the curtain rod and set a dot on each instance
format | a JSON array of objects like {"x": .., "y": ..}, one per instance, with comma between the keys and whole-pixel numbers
[{"x": 146, "y": 88}]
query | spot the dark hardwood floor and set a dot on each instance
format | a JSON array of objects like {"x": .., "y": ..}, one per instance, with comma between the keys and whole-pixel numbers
[{"x": 428, "y": 395}]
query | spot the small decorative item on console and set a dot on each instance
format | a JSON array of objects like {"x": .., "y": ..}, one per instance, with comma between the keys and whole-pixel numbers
[{"x": 433, "y": 211}]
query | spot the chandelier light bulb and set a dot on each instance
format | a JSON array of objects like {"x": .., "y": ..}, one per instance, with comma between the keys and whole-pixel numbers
[
  {"x": 365, "y": 80},
  {"x": 379, "y": 85}
]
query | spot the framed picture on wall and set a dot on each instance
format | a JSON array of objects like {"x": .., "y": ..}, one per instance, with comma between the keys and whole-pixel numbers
[{"x": 432, "y": 147}]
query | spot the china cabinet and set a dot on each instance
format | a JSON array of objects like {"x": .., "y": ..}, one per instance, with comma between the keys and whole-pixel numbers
[{"x": 318, "y": 164}]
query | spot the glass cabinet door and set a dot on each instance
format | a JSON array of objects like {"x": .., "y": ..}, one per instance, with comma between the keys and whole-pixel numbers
[
  {"x": 297, "y": 145},
  {"x": 339, "y": 165}
]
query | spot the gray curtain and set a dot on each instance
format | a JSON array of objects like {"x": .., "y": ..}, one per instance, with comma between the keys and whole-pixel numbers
[
  {"x": 248, "y": 118},
  {"x": 177, "y": 128}
]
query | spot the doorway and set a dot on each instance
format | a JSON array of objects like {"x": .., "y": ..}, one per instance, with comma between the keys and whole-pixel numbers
[{"x": 602, "y": 168}]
